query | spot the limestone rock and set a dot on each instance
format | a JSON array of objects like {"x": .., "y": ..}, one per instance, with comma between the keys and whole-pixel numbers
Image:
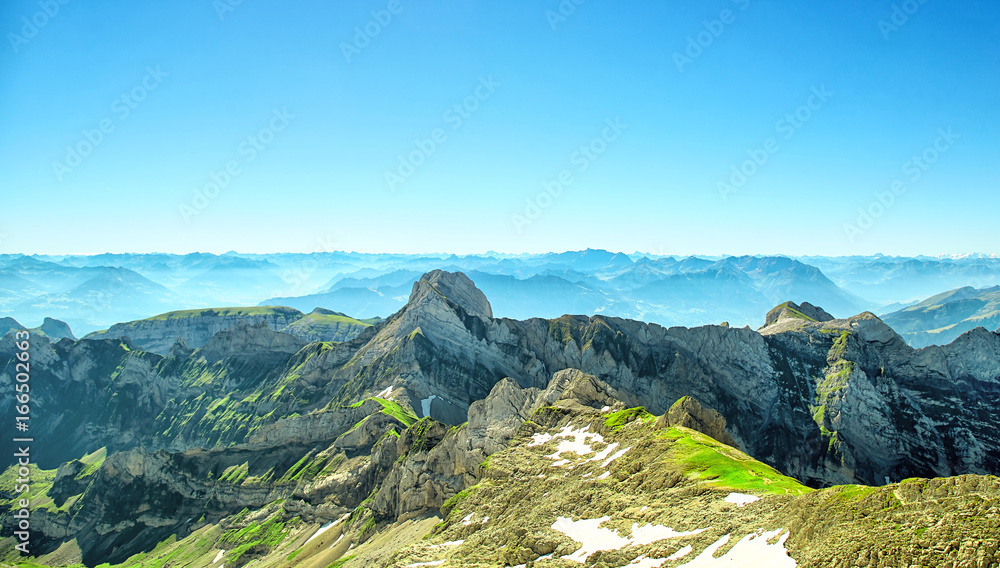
[{"x": 689, "y": 413}]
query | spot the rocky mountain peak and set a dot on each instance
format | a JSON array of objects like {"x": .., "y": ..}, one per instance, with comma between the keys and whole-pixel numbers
[
  {"x": 689, "y": 413},
  {"x": 56, "y": 329},
  {"x": 455, "y": 287},
  {"x": 791, "y": 310}
]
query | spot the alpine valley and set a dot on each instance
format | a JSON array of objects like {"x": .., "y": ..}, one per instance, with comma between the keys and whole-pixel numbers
[{"x": 445, "y": 435}]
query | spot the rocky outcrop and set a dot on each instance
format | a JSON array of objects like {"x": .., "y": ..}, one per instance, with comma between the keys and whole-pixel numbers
[
  {"x": 51, "y": 328},
  {"x": 689, "y": 413},
  {"x": 790, "y": 311},
  {"x": 158, "y": 334},
  {"x": 443, "y": 462}
]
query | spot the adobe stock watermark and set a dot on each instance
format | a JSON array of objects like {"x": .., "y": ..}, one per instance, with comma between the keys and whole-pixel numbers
[
  {"x": 248, "y": 150},
  {"x": 363, "y": 35},
  {"x": 912, "y": 169},
  {"x": 698, "y": 43},
  {"x": 786, "y": 126},
  {"x": 299, "y": 274},
  {"x": 31, "y": 26},
  {"x": 900, "y": 15},
  {"x": 122, "y": 108},
  {"x": 563, "y": 11},
  {"x": 225, "y": 7},
  {"x": 582, "y": 158},
  {"x": 455, "y": 117}
]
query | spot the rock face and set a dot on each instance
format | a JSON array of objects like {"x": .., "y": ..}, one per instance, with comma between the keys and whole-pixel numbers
[
  {"x": 689, "y": 413},
  {"x": 158, "y": 334},
  {"x": 448, "y": 461}
]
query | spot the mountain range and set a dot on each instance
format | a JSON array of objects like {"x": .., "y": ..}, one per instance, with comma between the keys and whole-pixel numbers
[
  {"x": 447, "y": 435},
  {"x": 92, "y": 293}
]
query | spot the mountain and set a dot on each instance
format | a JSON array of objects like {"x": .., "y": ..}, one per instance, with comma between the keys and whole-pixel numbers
[
  {"x": 363, "y": 302},
  {"x": 51, "y": 328},
  {"x": 800, "y": 396},
  {"x": 449, "y": 436},
  {"x": 886, "y": 280},
  {"x": 571, "y": 476},
  {"x": 942, "y": 318},
  {"x": 194, "y": 328},
  {"x": 97, "y": 296}
]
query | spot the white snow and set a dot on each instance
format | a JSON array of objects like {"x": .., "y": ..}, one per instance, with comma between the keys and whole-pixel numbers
[
  {"x": 603, "y": 454},
  {"x": 643, "y": 508},
  {"x": 752, "y": 551},
  {"x": 605, "y": 408},
  {"x": 425, "y": 404},
  {"x": 449, "y": 543},
  {"x": 604, "y": 475},
  {"x": 681, "y": 553},
  {"x": 643, "y": 562},
  {"x": 575, "y": 441},
  {"x": 617, "y": 455},
  {"x": 468, "y": 519},
  {"x": 321, "y": 530},
  {"x": 594, "y": 538},
  {"x": 741, "y": 499},
  {"x": 539, "y": 438},
  {"x": 339, "y": 538},
  {"x": 648, "y": 534},
  {"x": 385, "y": 393},
  {"x": 433, "y": 563},
  {"x": 218, "y": 556},
  {"x": 591, "y": 535}
]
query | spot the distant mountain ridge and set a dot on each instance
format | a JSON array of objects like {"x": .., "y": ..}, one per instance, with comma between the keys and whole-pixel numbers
[
  {"x": 51, "y": 328},
  {"x": 942, "y": 318},
  {"x": 94, "y": 292},
  {"x": 194, "y": 328}
]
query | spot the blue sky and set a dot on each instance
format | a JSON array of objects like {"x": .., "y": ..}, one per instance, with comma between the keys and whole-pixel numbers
[{"x": 313, "y": 138}]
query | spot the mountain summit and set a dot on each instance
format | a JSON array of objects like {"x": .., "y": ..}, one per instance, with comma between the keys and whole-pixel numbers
[{"x": 454, "y": 287}]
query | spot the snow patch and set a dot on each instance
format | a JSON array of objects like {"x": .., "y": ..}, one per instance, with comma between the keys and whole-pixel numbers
[
  {"x": 321, "y": 530},
  {"x": 741, "y": 499},
  {"x": 681, "y": 553},
  {"x": 432, "y": 563},
  {"x": 425, "y": 404},
  {"x": 617, "y": 455},
  {"x": 468, "y": 519},
  {"x": 643, "y": 562},
  {"x": 385, "y": 394},
  {"x": 648, "y": 534},
  {"x": 218, "y": 556},
  {"x": 752, "y": 551},
  {"x": 604, "y": 475},
  {"x": 589, "y": 533},
  {"x": 449, "y": 543}
]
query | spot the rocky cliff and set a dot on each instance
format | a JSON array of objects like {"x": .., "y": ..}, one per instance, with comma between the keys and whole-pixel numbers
[{"x": 158, "y": 334}]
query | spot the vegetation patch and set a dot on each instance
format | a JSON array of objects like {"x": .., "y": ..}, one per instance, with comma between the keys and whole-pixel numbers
[
  {"x": 253, "y": 540},
  {"x": 619, "y": 419},
  {"x": 706, "y": 459}
]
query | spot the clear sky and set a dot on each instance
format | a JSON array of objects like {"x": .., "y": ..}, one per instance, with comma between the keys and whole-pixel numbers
[{"x": 310, "y": 116}]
